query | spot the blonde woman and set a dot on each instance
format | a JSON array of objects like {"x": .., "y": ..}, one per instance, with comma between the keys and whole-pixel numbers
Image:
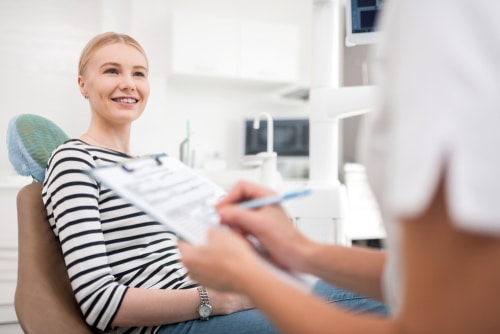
[{"x": 124, "y": 267}]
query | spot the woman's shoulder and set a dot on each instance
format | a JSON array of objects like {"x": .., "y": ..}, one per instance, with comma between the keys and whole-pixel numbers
[
  {"x": 75, "y": 144},
  {"x": 75, "y": 155},
  {"x": 78, "y": 149},
  {"x": 72, "y": 148},
  {"x": 72, "y": 155}
]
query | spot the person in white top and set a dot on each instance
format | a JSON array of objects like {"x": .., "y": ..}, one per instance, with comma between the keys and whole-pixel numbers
[{"x": 431, "y": 156}]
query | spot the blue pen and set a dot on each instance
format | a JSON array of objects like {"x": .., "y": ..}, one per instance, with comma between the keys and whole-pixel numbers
[{"x": 273, "y": 200}]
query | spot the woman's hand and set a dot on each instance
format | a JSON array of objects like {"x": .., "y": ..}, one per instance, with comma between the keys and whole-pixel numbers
[
  {"x": 223, "y": 262},
  {"x": 227, "y": 303},
  {"x": 271, "y": 226}
]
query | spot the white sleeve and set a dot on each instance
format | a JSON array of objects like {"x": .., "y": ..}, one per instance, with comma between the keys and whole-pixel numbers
[{"x": 440, "y": 111}]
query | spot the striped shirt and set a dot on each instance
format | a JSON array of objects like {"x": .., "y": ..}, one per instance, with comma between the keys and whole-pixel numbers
[{"x": 107, "y": 243}]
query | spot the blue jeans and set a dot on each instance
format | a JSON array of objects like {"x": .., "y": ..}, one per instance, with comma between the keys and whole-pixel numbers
[{"x": 253, "y": 321}]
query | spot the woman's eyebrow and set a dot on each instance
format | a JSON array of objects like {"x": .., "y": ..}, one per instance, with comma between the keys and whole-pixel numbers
[
  {"x": 119, "y": 65},
  {"x": 110, "y": 64},
  {"x": 141, "y": 67}
]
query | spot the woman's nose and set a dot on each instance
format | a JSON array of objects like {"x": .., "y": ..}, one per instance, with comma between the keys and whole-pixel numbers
[{"x": 127, "y": 83}]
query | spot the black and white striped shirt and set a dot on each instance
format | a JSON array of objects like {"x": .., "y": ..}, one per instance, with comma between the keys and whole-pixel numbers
[{"x": 108, "y": 244}]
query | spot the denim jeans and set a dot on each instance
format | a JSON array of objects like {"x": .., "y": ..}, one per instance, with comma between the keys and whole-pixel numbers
[{"x": 253, "y": 321}]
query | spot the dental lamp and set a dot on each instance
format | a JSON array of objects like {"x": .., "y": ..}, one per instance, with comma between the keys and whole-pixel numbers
[{"x": 328, "y": 103}]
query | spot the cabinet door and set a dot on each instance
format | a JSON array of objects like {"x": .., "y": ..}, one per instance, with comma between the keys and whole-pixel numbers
[
  {"x": 204, "y": 45},
  {"x": 269, "y": 51}
]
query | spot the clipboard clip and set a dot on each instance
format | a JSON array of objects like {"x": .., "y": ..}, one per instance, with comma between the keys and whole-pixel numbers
[{"x": 142, "y": 163}]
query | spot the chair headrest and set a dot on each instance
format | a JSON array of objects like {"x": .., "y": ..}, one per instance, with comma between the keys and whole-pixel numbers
[{"x": 30, "y": 142}]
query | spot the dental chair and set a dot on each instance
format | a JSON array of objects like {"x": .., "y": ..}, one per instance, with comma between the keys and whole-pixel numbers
[{"x": 44, "y": 301}]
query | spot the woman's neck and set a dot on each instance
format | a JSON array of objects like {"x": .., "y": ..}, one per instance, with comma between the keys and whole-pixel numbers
[{"x": 113, "y": 143}]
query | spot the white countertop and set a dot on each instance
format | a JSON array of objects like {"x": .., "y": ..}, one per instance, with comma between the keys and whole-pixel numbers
[{"x": 14, "y": 181}]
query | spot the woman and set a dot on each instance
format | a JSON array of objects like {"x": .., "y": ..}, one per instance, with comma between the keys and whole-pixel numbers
[
  {"x": 433, "y": 163},
  {"x": 124, "y": 267}
]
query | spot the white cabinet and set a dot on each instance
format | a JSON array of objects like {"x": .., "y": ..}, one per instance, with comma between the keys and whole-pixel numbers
[
  {"x": 206, "y": 45},
  {"x": 269, "y": 51}
]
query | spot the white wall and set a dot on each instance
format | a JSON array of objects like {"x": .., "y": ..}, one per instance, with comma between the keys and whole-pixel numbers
[{"x": 41, "y": 42}]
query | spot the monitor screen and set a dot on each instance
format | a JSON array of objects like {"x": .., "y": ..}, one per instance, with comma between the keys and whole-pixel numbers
[
  {"x": 361, "y": 21},
  {"x": 290, "y": 137}
]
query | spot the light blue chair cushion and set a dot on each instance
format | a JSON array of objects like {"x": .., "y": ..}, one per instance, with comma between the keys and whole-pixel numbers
[{"x": 30, "y": 142}]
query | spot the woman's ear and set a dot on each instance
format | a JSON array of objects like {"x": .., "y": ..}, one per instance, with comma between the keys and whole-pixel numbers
[{"x": 81, "y": 84}]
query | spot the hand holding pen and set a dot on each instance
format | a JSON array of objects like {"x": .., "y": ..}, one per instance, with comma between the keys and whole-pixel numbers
[
  {"x": 261, "y": 202},
  {"x": 252, "y": 196},
  {"x": 254, "y": 213},
  {"x": 270, "y": 225},
  {"x": 248, "y": 197}
]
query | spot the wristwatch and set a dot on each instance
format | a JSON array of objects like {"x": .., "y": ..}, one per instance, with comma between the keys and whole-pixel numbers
[{"x": 205, "y": 309}]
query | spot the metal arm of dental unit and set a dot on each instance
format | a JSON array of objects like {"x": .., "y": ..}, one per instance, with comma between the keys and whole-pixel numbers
[{"x": 325, "y": 210}]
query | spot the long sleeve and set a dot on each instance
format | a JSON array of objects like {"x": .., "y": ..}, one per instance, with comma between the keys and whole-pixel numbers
[{"x": 108, "y": 244}]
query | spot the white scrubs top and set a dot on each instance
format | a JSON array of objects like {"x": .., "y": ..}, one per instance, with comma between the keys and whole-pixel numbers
[{"x": 439, "y": 73}]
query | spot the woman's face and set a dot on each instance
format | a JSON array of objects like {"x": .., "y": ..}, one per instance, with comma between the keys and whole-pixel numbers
[{"x": 116, "y": 83}]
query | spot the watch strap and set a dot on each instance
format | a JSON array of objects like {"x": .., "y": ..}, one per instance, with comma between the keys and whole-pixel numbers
[{"x": 205, "y": 302}]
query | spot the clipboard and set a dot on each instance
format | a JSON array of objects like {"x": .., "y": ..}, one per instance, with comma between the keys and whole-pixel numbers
[
  {"x": 177, "y": 196},
  {"x": 168, "y": 190}
]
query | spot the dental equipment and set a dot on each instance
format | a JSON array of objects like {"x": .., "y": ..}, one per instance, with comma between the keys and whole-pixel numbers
[{"x": 325, "y": 210}]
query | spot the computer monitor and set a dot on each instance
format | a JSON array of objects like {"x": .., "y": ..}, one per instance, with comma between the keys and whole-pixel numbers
[
  {"x": 290, "y": 142},
  {"x": 361, "y": 21},
  {"x": 290, "y": 137}
]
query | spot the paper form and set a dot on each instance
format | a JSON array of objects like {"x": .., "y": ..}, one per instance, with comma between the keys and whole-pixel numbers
[{"x": 169, "y": 191}]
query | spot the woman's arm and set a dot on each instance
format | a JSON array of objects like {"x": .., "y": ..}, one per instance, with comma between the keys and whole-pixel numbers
[
  {"x": 353, "y": 268},
  {"x": 452, "y": 276},
  {"x": 357, "y": 269},
  {"x": 149, "y": 307}
]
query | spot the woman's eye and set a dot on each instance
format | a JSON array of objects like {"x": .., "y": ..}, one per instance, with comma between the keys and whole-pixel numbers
[
  {"x": 140, "y": 74},
  {"x": 111, "y": 70}
]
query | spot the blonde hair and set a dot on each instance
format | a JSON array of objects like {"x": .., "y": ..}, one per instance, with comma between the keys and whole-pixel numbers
[{"x": 102, "y": 40}]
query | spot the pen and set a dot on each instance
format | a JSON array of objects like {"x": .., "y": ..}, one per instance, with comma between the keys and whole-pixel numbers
[{"x": 273, "y": 200}]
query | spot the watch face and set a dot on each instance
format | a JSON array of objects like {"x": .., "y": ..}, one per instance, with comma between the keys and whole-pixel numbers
[{"x": 205, "y": 310}]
